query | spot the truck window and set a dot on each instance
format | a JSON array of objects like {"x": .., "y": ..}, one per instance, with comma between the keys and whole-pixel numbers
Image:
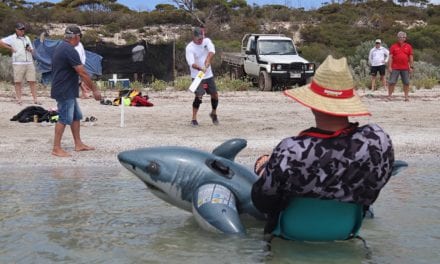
[
  {"x": 252, "y": 45},
  {"x": 276, "y": 47}
]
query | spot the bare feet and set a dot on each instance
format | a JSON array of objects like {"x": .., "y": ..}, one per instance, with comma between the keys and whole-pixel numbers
[
  {"x": 83, "y": 147},
  {"x": 59, "y": 152}
]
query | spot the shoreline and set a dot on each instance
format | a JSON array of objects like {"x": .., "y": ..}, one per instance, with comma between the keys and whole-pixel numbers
[{"x": 262, "y": 118}]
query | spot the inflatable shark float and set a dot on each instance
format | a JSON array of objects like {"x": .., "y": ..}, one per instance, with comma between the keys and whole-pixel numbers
[{"x": 212, "y": 186}]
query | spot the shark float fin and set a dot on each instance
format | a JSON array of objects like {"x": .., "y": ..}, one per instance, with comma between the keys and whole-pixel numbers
[
  {"x": 398, "y": 166},
  {"x": 229, "y": 149},
  {"x": 214, "y": 208}
]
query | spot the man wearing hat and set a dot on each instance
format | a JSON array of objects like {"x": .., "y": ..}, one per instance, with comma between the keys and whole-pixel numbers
[
  {"x": 66, "y": 70},
  {"x": 199, "y": 53},
  {"x": 22, "y": 60},
  {"x": 401, "y": 63},
  {"x": 336, "y": 159},
  {"x": 378, "y": 58}
]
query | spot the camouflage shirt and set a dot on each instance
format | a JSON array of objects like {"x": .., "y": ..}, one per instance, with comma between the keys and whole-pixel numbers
[{"x": 350, "y": 165}]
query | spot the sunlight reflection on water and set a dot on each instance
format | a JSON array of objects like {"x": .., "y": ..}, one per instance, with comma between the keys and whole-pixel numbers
[{"x": 106, "y": 215}]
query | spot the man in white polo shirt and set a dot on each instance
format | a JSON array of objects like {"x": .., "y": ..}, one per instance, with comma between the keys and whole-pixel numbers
[
  {"x": 378, "y": 58},
  {"x": 22, "y": 61}
]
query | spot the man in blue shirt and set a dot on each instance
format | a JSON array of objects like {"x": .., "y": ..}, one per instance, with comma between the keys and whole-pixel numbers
[{"x": 66, "y": 70}]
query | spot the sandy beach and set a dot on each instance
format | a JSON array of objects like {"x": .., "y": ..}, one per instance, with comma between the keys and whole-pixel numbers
[{"x": 263, "y": 118}]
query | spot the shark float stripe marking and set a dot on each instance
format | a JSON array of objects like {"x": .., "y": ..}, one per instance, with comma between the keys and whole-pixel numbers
[{"x": 185, "y": 179}]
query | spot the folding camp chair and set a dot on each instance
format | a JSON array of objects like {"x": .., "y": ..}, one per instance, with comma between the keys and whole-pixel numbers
[{"x": 313, "y": 219}]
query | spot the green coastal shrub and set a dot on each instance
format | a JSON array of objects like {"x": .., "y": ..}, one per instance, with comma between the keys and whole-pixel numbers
[
  {"x": 225, "y": 83},
  {"x": 5, "y": 68},
  {"x": 425, "y": 83},
  {"x": 425, "y": 75},
  {"x": 158, "y": 85},
  {"x": 182, "y": 83}
]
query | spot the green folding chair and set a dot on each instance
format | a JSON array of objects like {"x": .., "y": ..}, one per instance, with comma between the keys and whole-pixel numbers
[{"x": 312, "y": 219}]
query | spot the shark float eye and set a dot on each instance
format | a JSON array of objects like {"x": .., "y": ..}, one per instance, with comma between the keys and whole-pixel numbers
[{"x": 153, "y": 168}]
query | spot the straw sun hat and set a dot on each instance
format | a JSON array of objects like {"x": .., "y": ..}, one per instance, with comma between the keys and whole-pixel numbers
[{"x": 331, "y": 90}]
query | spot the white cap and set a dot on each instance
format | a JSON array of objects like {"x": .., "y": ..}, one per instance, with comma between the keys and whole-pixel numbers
[{"x": 378, "y": 41}]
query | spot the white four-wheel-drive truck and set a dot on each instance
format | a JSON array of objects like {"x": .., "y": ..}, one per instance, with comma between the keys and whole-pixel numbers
[{"x": 269, "y": 60}]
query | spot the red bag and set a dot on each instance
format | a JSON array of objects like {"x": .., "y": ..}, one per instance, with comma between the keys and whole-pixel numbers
[{"x": 141, "y": 101}]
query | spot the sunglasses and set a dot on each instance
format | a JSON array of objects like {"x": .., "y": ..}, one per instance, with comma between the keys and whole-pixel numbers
[{"x": 20, "y": 28}]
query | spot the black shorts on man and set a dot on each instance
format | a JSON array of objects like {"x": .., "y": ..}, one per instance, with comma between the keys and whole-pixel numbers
[
  {"x": 375, "y": 69},
  {"x": 206, "y": 86}
]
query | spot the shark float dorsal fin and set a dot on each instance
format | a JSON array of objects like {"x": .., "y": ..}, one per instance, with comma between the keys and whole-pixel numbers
[{"x": 229, "y": 149}]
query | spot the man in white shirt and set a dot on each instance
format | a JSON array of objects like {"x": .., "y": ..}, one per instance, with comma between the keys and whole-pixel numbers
[
  {"x": 378, "y": 58},
  {"x": 22, "y": 61},
  {"x": 199, "y": 53},
  {"x": 82, "y": 56}
]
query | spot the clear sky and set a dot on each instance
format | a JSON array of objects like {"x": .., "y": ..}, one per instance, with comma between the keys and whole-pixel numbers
[{"x": 149, "y": 5}]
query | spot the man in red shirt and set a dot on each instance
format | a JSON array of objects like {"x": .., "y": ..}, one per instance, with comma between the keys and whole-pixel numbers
[{"x": 401, "y": 63}]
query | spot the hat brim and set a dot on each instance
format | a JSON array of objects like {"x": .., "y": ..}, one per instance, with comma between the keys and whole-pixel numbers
[{"x": 333, "y": 106}]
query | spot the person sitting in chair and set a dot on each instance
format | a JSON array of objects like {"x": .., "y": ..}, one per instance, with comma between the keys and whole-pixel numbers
[{"x": 336, "y": 159}]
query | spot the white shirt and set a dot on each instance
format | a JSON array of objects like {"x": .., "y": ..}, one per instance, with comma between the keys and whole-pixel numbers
[
  {"x": 197, "y": 54},
  {"x": 81, "y": 52},
  {"x": 21, "y": 55},
  {"x": 378, "y": 56}
]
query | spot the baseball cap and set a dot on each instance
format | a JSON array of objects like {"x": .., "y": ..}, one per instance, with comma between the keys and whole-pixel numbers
[
  {"x": 198, "y": 33},
  {"x": 378, "y": 41},
  {"x": 73, "y": 30},
  {"x": 20, "y": 25}
]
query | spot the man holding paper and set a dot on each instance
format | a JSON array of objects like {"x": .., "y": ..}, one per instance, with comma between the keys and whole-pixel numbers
[{"x": 199, "y": 53}]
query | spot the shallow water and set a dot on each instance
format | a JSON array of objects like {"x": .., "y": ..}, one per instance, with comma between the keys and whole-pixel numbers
[{"x": 106, "y": 215}]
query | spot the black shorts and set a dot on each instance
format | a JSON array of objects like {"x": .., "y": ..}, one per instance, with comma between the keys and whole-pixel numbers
[
  {"x": 206, "y": 86},
  {"x": 375, "y": 69}
]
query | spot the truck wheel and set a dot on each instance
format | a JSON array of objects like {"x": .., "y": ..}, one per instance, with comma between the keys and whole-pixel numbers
[{"x": 264, "y": 81}]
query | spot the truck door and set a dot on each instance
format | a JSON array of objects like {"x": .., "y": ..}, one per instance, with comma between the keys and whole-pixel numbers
[{"x": 250, "y": 63}]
